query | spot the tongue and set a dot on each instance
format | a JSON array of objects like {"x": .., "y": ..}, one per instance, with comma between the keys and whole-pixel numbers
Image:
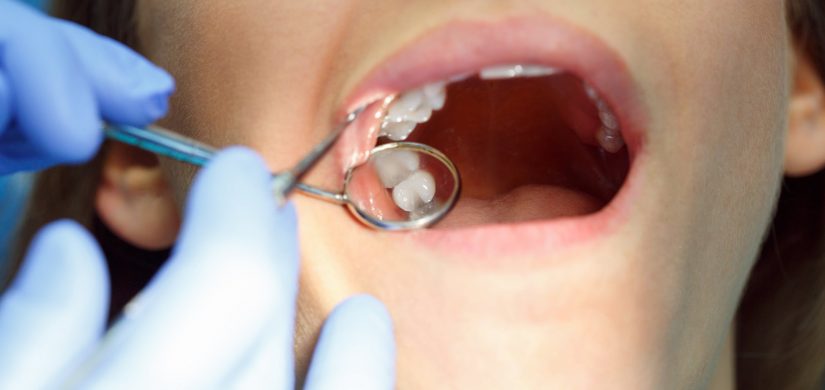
[{"x": 525, "y": 203}]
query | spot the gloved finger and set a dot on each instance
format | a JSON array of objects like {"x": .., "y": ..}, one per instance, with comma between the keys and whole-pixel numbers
[
  {"x": 54, "y": 103},
  {"x": 232, "y": 273},
  {"x": 56, "y": 309},
  {"x": 268, "y": 363},
  {"x": 129, "y": 89},
  {"x": 5, "y": 103},
  {"x": 356, "y": 349},
  {"x": 17, "y": 154}
]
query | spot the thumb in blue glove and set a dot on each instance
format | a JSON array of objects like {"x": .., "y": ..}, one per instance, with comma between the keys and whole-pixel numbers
[{"x": 59, "y": 81}]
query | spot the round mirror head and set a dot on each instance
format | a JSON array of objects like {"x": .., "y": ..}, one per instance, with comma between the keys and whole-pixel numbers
[{"x": 402, "y": 186}]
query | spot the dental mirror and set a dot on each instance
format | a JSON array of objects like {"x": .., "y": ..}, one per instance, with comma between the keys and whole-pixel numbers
[{"x": 401, "y": 186}]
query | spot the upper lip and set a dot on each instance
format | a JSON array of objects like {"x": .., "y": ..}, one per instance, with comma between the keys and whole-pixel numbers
[{"x": 462, "y": 47}]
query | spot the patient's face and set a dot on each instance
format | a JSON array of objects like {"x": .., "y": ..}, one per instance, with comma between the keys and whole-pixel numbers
[{"x": 615, "y": 193}]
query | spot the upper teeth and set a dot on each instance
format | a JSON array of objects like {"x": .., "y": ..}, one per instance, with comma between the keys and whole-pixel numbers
[
  {"x": 411, "y": 108},
  {"x": 609, "y": 135},
  {"x": 417, "y": 106},
  {"x": 511, "y": 71}
]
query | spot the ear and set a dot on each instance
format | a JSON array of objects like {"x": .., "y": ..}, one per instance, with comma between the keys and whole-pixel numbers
[
  {"x": 805, "y": 147},
  {"x": 134, "y": 200}
]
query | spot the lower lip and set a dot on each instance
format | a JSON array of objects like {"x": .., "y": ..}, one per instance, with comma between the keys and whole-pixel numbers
[{"x": 500, "y": 242}]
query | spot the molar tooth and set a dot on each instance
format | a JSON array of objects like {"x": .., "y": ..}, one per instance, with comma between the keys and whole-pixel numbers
[
  {"x": 412, "y": 106},
  {"x": 601, "y": 105},
  {"x": 415, "y": 191},
  {"x": 397, "y": 131},
  {"x": 421, "y": 115},
  {"x": 436, "y": 95},
  {"x": 608, "y": 119},
  {"x": 592, "y": 93},
  {"x": 395, "y": 166},
  {"x": 609, "y": 139},
  {"x": 406, "y": 103}
]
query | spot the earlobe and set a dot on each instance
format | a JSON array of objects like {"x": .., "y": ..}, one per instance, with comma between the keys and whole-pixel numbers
[
  {"x": 134, "y": 200},
  {"x": 805, "y": 148}
]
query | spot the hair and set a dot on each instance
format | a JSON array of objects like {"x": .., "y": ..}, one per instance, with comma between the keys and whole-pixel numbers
[{"x": 780, "y": 322}]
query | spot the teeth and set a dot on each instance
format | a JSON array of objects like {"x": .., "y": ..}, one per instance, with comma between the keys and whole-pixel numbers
[
  {"x": 412, "y": 189},
  {"x": 591, "y": 93},
  {"x": 417, "y": 106},
  {"x": 511, "y": 71},
  {"x": 609, "y": 135},
  {"x": 610, "y": 140},
  {"x": 405, "y": 104},
  {"x": 436, "y": 95},
  {"x": 397, "y": 131},
  {"x": 395, "y": 165},
  {"x": 415, "y": 191},
  {"x": 608, "y": 119},
  {"x": 411, "y": 108}
]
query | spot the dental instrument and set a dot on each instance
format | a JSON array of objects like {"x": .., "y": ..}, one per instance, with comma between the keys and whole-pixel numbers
[{"x": 421, "y": 199}]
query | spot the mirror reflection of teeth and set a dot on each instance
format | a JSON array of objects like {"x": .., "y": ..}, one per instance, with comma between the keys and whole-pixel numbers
[
  {"x": 415, "y": 191},
  {"x": 394, "y": 166},
  {"x": 411, "y": 187}
]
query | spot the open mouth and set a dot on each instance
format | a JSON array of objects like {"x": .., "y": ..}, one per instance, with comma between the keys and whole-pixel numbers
[
  {"x": 530, "y": 142},
  {"x": 540, "y": 118}
]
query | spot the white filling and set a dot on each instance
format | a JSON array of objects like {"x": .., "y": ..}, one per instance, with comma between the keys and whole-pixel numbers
[
  {"x": 395, "y": 165},
  {"x": 415, "y": 191}
]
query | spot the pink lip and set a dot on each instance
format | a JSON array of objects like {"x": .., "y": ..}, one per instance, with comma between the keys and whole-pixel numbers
[{"x": 465, "y": 47}]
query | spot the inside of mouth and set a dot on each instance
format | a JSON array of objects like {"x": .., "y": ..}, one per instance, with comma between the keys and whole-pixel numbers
[{"x": 527, "y": 148}]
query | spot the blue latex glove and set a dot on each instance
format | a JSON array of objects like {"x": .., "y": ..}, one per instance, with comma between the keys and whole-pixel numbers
[
  {"x": 218, "y": 315},
  {"x": 58, "y": 81}
]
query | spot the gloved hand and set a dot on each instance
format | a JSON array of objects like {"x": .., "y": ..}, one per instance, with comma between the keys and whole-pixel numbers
[
  {"x": 218, "y": 315},
  {"x": 58, "y": 81}
]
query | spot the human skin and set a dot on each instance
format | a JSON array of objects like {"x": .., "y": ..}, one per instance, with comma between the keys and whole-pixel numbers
[{"x": 648, "y": 305}]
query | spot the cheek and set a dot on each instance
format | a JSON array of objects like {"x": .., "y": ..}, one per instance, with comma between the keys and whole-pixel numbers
[{"x": 718, "y": 107}]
